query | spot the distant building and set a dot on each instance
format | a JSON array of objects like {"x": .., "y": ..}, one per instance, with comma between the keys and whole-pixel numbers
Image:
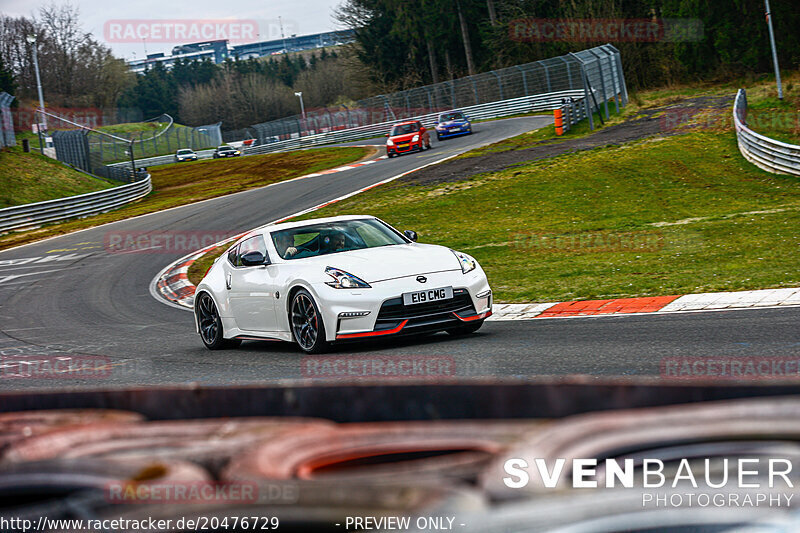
[{"x": 219, "y": 51}]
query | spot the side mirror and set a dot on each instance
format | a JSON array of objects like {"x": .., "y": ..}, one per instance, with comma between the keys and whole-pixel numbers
[
  {"x": 435, "y": 123},
  {"x": 386, "y": 135},
  {"x": 253, "y": 258},
  {"x": 412, "y": 235}
]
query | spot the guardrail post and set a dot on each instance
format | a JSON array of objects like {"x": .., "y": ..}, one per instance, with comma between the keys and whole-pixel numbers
[
  {"x": 547, "y": 77},
  {"x": 602, "y": 80},
  {"x": 499, "y": 83},
  {"x": 133, "y": 159},
  {"x": 614, "y": 79},
  {"x": 524, "y": 79},
  {"x": 569, "y": 71},
  {"x": 620, "y": 73},
  {"x": 585, "y": 90},
  {"x": 474, "y": 89}
]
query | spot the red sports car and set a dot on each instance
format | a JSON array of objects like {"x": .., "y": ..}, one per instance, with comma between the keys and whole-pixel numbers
[{"x": 407, "y": 137}]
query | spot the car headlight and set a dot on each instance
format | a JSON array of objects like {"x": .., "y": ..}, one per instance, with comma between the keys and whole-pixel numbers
[
  {"x": 415, "y": 139},
  {"x": 344, "y": 280},
  {"x": 389, "y": 142},
  {"x": 467, "y": 263}
]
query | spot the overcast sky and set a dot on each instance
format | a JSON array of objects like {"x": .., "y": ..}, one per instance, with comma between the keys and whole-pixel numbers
[{"x": 301, "y": 17}]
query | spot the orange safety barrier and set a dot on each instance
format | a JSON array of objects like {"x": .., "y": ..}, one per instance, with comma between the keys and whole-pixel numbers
[{"x": 559, "y": 120}]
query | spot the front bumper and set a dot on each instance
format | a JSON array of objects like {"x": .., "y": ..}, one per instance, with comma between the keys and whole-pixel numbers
[
  {"x": 396, "y": 150},
  {"x": 387, "y": 315},
  {"x": 444, "y": 134}
]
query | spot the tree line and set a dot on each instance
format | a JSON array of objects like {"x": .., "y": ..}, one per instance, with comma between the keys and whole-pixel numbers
[
  {"x": 406, "y": 44},
  {"x": 242, "y": 92},
  {"x": 77, "y": 71}
]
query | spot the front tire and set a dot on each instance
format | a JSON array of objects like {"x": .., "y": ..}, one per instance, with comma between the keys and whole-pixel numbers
[
  {"x": 465, "y": 329},
  {"x": 210, "y": 325},
  {"x": 308, "y": 328}
]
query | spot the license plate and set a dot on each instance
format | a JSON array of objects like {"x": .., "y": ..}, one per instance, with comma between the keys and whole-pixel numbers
[
  {"x": 455, "y": 129},
  {"x": 403, "y": 145},
  {"x": 428, "y": 295}
]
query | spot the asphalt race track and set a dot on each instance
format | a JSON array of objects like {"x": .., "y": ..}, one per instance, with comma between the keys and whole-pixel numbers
[{"x": 79, "y": 299}]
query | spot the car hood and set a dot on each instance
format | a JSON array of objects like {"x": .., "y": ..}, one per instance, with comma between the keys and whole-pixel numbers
[
  {"x": 451, "y": 123},
  {"x": 389, "y": 262}
]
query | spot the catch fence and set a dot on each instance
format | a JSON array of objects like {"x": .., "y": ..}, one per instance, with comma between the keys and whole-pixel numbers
[{"x": 596, "y": 74}]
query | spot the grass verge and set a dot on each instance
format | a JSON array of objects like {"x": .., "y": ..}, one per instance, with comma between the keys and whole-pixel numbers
[
  {"x": 33, "y": 177},
  {"x": 673, "y": 215},
  {"x": 184, "y": 183}
]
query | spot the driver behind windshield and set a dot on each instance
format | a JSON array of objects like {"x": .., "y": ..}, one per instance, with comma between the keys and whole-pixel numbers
[{"x": 334, "y": 242}]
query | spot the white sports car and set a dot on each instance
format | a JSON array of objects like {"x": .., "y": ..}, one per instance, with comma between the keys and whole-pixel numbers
[{"x": 334, "y": 279}]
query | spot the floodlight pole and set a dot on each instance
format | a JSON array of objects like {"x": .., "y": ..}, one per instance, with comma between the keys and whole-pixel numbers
[{"x": 774, "y": 52}]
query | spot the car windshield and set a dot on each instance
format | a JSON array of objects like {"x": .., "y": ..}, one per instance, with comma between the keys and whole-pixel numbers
[
  {"x": 447, "y": 117},
  {"x": 403, "y": 129},
  {"x": 335, "y": 237},
  {"x": 184, "y": 152},
  {"x": 226, "y": 148}
]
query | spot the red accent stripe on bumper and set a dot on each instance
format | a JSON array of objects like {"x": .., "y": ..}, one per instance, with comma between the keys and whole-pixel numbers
[
  {"x": 373, "y": 333},
  {"x": 487, "y": 314}
]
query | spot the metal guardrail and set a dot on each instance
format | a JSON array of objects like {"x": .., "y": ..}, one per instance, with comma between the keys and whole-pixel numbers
[
  {"x": 768, "y": 154},
  {"x": 83, "y": 205},
  {"x": 572, "y": 111}
]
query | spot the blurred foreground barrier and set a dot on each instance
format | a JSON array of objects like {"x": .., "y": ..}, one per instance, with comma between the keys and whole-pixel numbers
[
  {"x": 768, "y": 154},
  {"x": 17, "y": 426},
  {"x": 210, "y": 443},
  {"x": 414, "y": 452}
]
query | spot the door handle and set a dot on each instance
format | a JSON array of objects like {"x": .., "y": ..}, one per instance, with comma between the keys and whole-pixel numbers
[{"x": 228, "y": 281}]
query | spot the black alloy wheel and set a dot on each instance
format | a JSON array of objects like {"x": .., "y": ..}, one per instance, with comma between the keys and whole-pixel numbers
[
  {"x": 308, "y": 329},
  {"x": 210, "y": 325}
]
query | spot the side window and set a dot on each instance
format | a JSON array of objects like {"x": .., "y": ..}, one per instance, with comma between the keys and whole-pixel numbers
[
  {"x": 253, "y": 244},
  {"x": 233, "y": 256}
]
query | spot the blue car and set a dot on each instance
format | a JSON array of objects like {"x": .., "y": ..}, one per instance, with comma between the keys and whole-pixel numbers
[{"x": 452, "y": 124}]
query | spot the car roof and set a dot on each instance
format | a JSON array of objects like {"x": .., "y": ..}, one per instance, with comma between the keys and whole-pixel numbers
[{"x": 406, "y": 122}]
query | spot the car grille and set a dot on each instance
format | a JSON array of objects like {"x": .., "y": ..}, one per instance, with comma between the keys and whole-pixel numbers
[{"x": 394, "y": 311}]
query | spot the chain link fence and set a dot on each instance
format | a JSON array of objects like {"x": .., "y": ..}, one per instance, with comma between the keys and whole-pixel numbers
[
  {"x": 6, "y": 123},
  {"x": 73, "y": 143},
  {"x": 167, "y": 138},
  {"x": 596, "y": 72}
]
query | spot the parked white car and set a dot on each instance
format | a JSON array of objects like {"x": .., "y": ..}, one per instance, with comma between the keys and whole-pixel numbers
[{"x": 329, "y": 280}]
